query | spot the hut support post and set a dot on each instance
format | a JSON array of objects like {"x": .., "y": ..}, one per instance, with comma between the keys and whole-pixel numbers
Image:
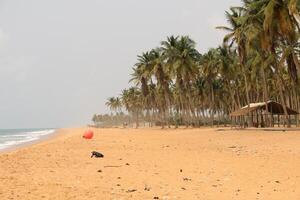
[
  {"x": 235, "y": 121},
  {"x": 262, "y": 124},
  {"x": 242, "y": 121},
  {"x": 257, "y": 120}
]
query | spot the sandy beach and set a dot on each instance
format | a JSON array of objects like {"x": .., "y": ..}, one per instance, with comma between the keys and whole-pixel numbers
[{"x": 155, "y": 164}]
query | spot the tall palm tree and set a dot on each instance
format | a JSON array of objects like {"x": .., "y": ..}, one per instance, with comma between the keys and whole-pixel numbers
[
  {"x": 210, "y": 63},
  {"x": 236, "y": 18},
  {"x": 132, "y": 100},
  {"x": 181, "y": 63}
]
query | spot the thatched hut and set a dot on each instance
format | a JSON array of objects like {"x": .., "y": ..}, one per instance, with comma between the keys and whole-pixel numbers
[{"x": 262, "y": 112}]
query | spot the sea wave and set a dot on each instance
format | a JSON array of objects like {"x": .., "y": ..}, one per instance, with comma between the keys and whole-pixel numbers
[{"x": 8, "y": 140}]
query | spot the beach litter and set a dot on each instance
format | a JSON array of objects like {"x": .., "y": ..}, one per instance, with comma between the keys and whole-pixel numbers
[
  {"x": 128, "y": 191},
  {"x": 147, "y": 188},
  {"x": 97, "y": 154},
  {"x": 88, "y": 134},
  {"x": 112, "y": 166}
]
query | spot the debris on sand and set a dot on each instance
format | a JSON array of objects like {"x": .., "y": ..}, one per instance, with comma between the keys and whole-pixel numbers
[
  {"x": 128, "y": 191},
  {"x": 147, "y": 188},
  {"x": 97, "y": 154},
  {"x": 112, "y": 166}
]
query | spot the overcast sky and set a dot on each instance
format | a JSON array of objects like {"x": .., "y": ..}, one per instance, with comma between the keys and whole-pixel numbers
[{"x": 61, "y": 59}]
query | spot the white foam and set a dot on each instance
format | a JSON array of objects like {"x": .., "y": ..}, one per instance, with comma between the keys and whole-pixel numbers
[{"x": 21, "y": 138}]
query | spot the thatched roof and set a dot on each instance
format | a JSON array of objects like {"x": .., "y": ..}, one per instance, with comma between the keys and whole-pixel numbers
[{"x": 273, "y": 107}]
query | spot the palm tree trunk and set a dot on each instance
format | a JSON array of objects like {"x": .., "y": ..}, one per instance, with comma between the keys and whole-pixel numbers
[
  {"x": 212, "y": 106},
  {"x": 266, "y": 94},
  {"x": 233, "y": 99},
  {"x": 280, "y": 83},
  {"x": 162, "y": 118},
  {"x": 247, "y": 95},
  {"x": 137, "y": 120},
  {"x": 281, "y": 94}
]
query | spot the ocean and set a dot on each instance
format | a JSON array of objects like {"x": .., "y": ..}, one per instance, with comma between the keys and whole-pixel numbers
[{"x": 14, "y": 137}]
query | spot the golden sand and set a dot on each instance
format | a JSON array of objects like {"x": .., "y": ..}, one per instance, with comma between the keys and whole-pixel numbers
[{"x": 155, "y": 164}]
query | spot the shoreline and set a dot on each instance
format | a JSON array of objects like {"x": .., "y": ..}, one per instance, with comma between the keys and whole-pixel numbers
[{"x": 42, "y": 138}]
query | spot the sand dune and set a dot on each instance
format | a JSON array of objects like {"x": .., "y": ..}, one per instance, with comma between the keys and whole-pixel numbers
[{"x": 156, "y": 164}]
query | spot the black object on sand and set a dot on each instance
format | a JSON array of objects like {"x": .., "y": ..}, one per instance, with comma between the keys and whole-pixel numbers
[{"x": 97, "y": 154}]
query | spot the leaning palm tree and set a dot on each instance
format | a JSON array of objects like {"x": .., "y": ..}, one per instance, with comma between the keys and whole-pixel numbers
[
  {"x": 236, "y": 18},
  {"x": 143, "y": 72}
]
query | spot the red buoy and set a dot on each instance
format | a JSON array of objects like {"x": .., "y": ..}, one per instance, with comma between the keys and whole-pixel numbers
[{"x": 88, "y": 134}]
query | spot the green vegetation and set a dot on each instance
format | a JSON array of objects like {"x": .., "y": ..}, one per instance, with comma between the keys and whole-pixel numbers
[{"x": 258, "y": 61}]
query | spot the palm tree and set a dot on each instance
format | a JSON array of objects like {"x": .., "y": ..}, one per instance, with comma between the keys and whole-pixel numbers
[
  {"x": 209, "y": 70},
  {"x": 162, "y": 84},
  {"x": 132, "y": 100},
  {"x": 181, "y": 63},
  {"x": 236, "y": 18},
  {"x": 112, "y": 104}
]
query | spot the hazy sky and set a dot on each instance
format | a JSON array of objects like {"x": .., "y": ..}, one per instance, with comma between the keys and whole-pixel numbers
[{"x": 61, "y": 59}]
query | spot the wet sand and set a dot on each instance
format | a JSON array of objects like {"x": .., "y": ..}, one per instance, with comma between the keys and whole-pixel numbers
[{"x": 155, "y": 164}]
